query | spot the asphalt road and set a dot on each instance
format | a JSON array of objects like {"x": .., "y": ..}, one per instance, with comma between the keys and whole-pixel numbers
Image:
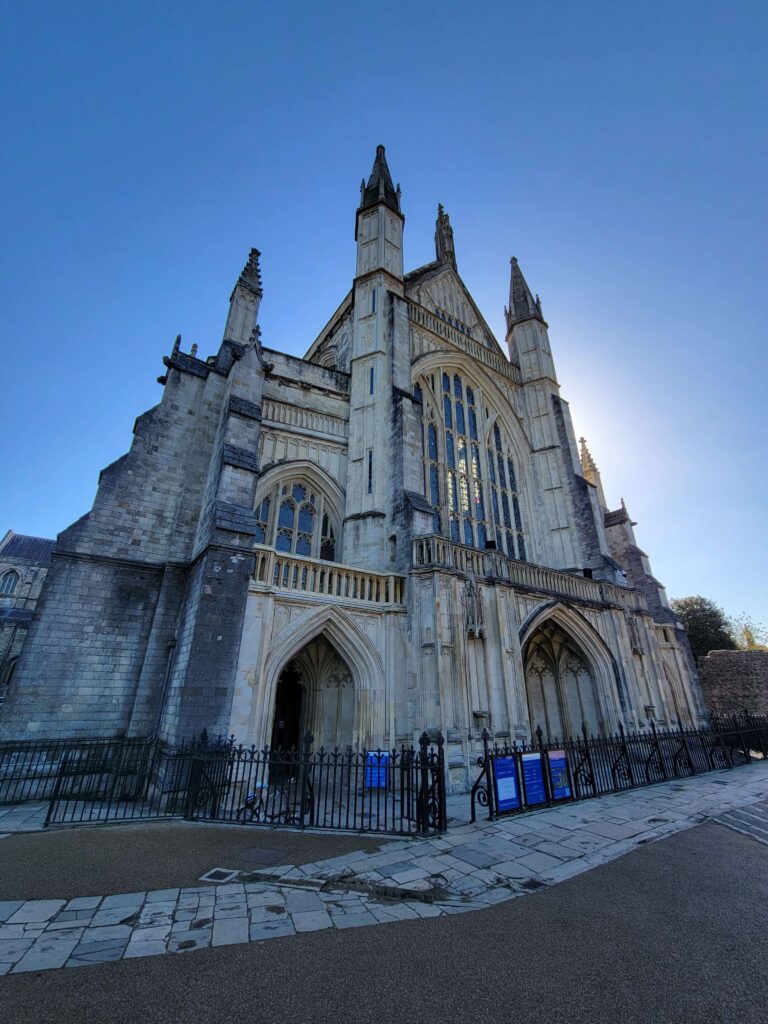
[
  {"x": 673, "y": 932},
  {"x": 128, "y": 858}
]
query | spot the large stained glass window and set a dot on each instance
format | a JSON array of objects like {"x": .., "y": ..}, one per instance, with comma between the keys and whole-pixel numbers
[
  {"x": 293, "y": 517},
  {"x": 470, "y": 478}
]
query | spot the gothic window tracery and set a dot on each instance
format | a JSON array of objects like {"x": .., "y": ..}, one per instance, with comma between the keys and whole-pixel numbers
[
  {"x": 9, "y": 582},
  {"x": 560, "y": 685},
  {"x": 295, "y": 518},
  {"x": 469, "y": 476}
]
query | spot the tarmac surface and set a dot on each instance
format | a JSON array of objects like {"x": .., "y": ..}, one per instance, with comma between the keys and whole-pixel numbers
[
  {"x": 66, "y": 863},
  {"x": 673, "y": 932}
]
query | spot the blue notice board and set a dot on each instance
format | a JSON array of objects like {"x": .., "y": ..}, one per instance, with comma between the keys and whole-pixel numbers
[
  {"x": 558, "y": 773},
  {"x": 376, "y": 765},
  {"x": 533, "y": 779},
  {"x": 505, "y": 784}
]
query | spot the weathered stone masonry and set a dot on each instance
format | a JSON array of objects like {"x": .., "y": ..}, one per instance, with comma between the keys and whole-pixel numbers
[{"x": 395, "y": 533}]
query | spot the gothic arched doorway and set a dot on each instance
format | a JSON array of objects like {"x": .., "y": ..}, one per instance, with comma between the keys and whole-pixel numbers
[
  {"x": 315, "y": 693},
  {"x": 560, "y": 684},
  {"x": 286, "y": 727}
]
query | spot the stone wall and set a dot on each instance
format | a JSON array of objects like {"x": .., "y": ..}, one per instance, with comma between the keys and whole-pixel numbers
[{"x": 735, "y": 680}]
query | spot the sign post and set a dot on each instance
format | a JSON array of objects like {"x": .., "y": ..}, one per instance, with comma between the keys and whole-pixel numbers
[
  {"x": 533, "y": 779},
  {"x": 376, "y": 767},
  {"x": 505, "y": 784},
  {"x": 559, "y": 775}
]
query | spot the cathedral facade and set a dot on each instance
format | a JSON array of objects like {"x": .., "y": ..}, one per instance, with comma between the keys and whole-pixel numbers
[{"x": 395, "y": 533}]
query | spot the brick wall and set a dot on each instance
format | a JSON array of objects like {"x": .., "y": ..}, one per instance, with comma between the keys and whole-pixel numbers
[{"x": 734, "y": 680}]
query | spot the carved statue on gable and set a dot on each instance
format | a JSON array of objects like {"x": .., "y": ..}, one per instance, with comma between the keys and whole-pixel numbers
[{"x": 444, "y": 238}]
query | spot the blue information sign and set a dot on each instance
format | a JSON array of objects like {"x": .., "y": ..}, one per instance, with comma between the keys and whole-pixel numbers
[
  {"x": 558, "y": 773},
  {"x": 376, "y": 765},
  {"x": 505, "y": 783},
  {"x": 533, "y": 779}
]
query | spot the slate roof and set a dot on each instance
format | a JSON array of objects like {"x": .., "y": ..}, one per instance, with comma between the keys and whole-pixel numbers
[{"x": 34, "y": 549}]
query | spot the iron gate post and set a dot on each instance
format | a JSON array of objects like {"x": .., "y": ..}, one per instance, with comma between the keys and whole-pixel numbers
[
  {"x": 625, "y": 754},
  {"x": 684, "y": 739},
  {"x": 442, "y": 823},
  {"x": 422, "y": 801},
  {"x": 56, "y": 789},
  {"x": 193, "y": 786},
  {"x": 588, "y": 756},
  {"x": 306, "y": 750}
]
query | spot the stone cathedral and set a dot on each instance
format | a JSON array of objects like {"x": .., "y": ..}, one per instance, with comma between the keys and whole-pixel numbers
[{"x": 395, "y": 533}]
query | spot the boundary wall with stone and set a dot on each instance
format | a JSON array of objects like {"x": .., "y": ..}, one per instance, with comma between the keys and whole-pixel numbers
[{"x": 734, "y": 680}]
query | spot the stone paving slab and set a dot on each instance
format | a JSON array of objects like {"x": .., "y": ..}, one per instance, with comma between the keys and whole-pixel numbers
[{"x": 470, "y": 868}]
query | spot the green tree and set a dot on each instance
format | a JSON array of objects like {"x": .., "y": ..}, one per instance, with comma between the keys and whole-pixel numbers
[
  {"x": 706, "y": 624},
  {"x": 750, "y": 635}
]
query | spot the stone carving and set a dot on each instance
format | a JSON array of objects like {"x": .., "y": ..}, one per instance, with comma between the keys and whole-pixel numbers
[
  {"x": 276, "y": 446},
  {"x": 307, "y": 419},
  {"x": 444, "y": 247},
  {"x": 473, "y": 610}
]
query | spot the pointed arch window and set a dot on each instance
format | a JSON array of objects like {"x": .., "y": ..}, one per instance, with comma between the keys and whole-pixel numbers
[
  {"x": 507, "y": 520},
  {"x": 433, "y": 474},
  {"x": 296, "y": 519},
  {"x": 8, "y": 583},
  {"x": 469, "y": 478}
]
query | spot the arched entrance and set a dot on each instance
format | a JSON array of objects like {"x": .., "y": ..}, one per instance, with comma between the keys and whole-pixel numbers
[
  {"x": 286, "y": 726},
  {"x": 560, "y": 684},
  {"x": 315, "y": 693}
]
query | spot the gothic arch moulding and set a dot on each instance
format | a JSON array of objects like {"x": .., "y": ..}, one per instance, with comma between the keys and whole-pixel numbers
[
  {"x": 477, "y": 375},
  {"x": 609, "y": 693},
  {"x": 353, "y": 646},
  {"x": 280, "y": 445},
  {"x": 312, "y": 473},
  {"x": 492, "y": 424}
]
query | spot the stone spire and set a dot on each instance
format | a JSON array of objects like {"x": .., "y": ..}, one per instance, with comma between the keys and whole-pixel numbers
[
  {"x": 444, "y": 238},
  {"x": 522, "y": 305},
  {"x": 241, "y": 327},
  {"x": 250, "y": 278},
  {"x": 380, "y": 188},
  {"x": 590, "y": 471}
]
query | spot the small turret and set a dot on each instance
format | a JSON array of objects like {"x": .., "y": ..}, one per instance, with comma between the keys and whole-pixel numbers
[
  {"x": 590, "y": 471},
  {"x": 244, "y": 303},
  {"x": 379, "y": 222},
  {"x": 380, "y": 188},
  {"x": 444, "y": 248},
  {"x": 522, "y": 305},
  {"x": 251, "y": 275}
]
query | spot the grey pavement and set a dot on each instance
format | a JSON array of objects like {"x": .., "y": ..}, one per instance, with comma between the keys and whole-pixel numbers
[
  {"x": 472, "y": 867},
  {"x": 671, "y": 933},
  {"x": 750, "y": 821},
  {"x": 28, "y": 817}
]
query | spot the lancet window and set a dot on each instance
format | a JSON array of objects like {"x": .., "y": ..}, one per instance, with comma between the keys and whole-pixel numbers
[
  {"x": 469, "y": 473},
  {"x": 294, "y": 518},
  {"x": 9, "y": 582}
]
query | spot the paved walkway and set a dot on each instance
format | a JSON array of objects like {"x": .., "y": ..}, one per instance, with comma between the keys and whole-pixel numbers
[
  {"x": 22, "y": 817},
  {"x": 470, "y": 868}
]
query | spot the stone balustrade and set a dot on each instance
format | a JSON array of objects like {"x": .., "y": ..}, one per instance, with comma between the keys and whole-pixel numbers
[
  {"x": 494, "y": 360},
  {"x": 279, "y": 571},
  {"x": 434, "y": 551}
]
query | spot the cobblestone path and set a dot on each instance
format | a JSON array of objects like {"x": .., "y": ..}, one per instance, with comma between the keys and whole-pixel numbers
[{"x": 470, "y": 868}]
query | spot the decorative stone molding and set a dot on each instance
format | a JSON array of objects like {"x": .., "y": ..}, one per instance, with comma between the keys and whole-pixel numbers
[{"x": 307, "y": 419}]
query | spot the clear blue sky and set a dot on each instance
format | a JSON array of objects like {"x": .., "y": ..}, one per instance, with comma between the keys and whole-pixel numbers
[{"x": 617, "y": 149}]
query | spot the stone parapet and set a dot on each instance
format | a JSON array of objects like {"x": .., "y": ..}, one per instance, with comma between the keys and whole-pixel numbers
[{"x": 437, "y": 552}]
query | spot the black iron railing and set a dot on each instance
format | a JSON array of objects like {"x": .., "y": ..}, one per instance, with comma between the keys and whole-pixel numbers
[
  {"x": 522, "y": 776},
  {"x": 398, "y": 791}
]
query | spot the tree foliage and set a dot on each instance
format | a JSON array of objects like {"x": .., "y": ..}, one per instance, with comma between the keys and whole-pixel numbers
[
  {"x": 706, "y": 624},
  {"x": 749, "y": 635}
]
